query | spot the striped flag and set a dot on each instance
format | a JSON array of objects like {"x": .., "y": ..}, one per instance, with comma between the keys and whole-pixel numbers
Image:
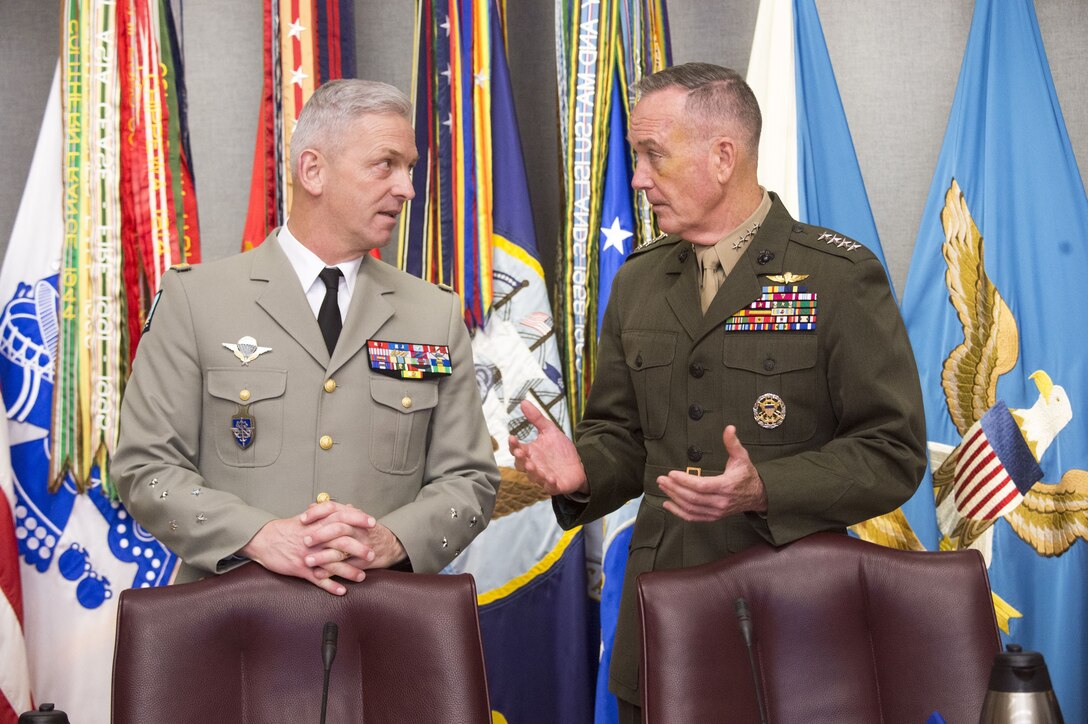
[
  {"x": 14, "y": 674},
  {"x": 104, "y": 214},
  {"x": 306, "y": 42},
  {"x": 602, "y": 50},
  {"x": 448, "y": 230},
  {"x": 994, "y": 467},
  {"x": 470, "y": 226}
]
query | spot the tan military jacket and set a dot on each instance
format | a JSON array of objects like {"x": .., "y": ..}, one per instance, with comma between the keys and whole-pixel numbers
[
  {"x": 843, "y": 432},
  {"x": 415, "y": 453}
]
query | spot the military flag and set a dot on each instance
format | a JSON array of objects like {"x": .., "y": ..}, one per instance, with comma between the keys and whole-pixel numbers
[
  {"x": 109, "y": 205},
  {"x": 806, "y": 155},
  {"x": 602, "y": 50},
  {"x": 470, "y": 227},
  {"x": 306, "y": 42},
  {"x": 618, "y": 209},
  {"x": 998, "y": 257}
]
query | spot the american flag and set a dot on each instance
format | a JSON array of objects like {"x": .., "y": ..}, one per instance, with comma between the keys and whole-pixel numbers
[
  {"x": 14, "y": 677},
  {"x": 995, "y": 467}
]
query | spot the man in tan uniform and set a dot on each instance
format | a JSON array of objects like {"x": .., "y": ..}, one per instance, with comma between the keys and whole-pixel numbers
[
  {"x": 740, "y": 325},
  {"x": 306, "y": 370}
]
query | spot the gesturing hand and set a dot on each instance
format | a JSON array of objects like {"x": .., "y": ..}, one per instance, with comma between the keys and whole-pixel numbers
[
  {"x": 551, "y": 460},
  {"x": 738, "y": 489}
]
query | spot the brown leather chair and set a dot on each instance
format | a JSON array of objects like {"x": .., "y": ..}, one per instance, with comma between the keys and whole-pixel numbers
[
  {"x": 844, "y": 631},
  {"x": 245, "y": 648}
]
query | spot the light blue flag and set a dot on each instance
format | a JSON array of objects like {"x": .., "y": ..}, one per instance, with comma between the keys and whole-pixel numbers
[
  {"x": 806, "y": 153},
  {"x": 1001, "y": 322},
  {"x": 617, "y": 210},
  {"x": 619, "y": 525}
]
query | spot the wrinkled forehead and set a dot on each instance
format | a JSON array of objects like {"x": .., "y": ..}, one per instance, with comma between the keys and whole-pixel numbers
[
  {"x": 390, "y": 131},
  {"x": 657, "y": 116}
]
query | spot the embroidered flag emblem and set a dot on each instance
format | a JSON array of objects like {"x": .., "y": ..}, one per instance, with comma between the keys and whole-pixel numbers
[
  {"x": 995, "y": 467},
  {"x": 408, "y": 360}
]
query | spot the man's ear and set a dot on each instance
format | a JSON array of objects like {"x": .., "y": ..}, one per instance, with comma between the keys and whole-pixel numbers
[
  {"x": 311, "y": 171},
  {"x": 723, "y": 150}
]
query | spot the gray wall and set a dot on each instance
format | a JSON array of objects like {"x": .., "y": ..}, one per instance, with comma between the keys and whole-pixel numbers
[{"x": 896, "y": 64}]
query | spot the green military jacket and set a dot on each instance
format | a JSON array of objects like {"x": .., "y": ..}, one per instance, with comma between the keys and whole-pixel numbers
[{"x": 827, "y": 403}]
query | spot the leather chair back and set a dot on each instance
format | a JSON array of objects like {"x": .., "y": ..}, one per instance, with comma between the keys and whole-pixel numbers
[
  {"x": 245, "y": 648},
  {"x": 844, "y": 631}
]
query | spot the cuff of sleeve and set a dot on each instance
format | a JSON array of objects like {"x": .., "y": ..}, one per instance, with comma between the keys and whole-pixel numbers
[{"x": 230, "y": 563}]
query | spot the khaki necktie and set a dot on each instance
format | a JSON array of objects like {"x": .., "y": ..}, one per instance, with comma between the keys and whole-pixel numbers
[{"x": 712, "y": 278}]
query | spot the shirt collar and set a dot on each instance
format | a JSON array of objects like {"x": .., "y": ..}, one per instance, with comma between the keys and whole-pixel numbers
[
  {"x": 745, "y": 230},
  {"x": 308, "y": 265}
]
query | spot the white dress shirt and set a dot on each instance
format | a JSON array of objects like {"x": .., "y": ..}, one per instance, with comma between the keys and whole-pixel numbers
[{"x": 309, "y": 266}]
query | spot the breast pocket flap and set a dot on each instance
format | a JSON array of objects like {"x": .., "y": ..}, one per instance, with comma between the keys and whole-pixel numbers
[
  {"x": 404, "y": 396},
  {"x": 764, "y": 353},
  {"x": 643, "y": 350},
  {"x": 246, "y": 386}
]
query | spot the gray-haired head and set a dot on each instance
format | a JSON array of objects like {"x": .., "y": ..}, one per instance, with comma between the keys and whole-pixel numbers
[
  {"x": 718, "y": 98},
  {"x": 337, "y": 104}
]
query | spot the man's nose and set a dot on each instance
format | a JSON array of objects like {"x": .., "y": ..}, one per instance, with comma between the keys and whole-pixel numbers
[
  {"x": 404, "y": 188},
  {"x": 640, "y": 180}
]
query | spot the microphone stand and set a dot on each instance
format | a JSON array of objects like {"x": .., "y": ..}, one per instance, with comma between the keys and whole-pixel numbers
[{"x": 744, "y": 620}]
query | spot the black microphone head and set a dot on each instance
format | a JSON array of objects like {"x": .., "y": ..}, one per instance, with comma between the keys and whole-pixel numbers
[
  {"x": 741, "y": 608},
  {"x": 328, "y": 644}
]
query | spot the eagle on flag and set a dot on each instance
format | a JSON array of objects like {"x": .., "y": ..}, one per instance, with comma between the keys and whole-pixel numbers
[{"x": 994, "y": 471}]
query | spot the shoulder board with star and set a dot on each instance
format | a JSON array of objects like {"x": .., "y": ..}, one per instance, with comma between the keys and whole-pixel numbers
[
  {"x": 445, "y": 287},
  {"x": 182, "y": 267},
  {"x": 830, "y": 241},
  {"x": 658, "y": 242}
]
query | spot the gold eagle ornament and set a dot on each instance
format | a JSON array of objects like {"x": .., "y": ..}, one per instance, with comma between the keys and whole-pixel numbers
[{"x": 1050, "y": 518}]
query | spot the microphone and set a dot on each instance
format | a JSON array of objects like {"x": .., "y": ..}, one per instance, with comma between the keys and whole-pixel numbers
[
  {"x": 744, "y": 620},
  {"x": 328, "y": 653}
]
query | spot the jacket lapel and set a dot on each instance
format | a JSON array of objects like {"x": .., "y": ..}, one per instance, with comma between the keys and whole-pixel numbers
[
  {"x": 744, "y": 283},
  {"x": 371, "y": 307},
  {"x": 284, "y": 300},
  {"x": 681, "y": 269}
]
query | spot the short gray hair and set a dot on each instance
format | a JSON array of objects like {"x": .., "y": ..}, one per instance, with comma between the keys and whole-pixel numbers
[
  {"x": 335, "y": 105},
  {"x": 715, "y": 94}
]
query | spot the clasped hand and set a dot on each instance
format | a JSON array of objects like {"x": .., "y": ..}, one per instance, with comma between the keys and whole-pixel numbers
[{"x": 326, "y": 540}]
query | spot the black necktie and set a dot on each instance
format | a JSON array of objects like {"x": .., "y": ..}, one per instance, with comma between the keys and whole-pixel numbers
[{"x": 328, "y": 317}]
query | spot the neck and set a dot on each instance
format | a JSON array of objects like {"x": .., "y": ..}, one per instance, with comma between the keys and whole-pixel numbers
[
  {"x": 737, "y": 206},
  {"x": 313, "y": 234}
]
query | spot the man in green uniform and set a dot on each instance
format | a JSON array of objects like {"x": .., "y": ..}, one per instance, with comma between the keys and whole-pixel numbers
[{"x": 754, "y": 379}]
